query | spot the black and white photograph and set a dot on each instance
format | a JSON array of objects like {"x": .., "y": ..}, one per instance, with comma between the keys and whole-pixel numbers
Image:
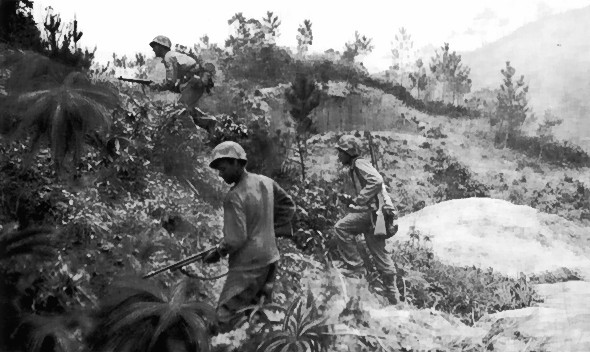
[{"x": 308, "y": 176}]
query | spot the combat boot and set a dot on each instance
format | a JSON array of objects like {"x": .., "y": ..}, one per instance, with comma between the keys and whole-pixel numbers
[{"x": 390, "y": 290}]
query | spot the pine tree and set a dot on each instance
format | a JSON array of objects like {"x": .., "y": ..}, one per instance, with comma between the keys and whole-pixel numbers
[
  {"x": 512, "y": 104},
  {"x": 303, "y": 96},
  {"x": 304, "y": 38},
  {"x": 448, "y": 69}
]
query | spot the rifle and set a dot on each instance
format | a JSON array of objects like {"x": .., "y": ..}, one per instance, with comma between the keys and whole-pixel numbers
[
  {"x": 371, "y": 151},
  {"x": 133, "y": 80},
  {"x": 179, "y": 264},
  {"x": 385, "y": 224}
]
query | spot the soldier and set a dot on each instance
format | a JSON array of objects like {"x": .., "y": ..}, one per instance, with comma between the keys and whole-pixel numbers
[
  {"x": 361, "y": 218},
  {"x": 185, "y": 76},
  {"x": 253, "y": 208}
]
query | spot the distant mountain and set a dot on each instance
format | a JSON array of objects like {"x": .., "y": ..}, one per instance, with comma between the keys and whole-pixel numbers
[{"x": 554, "y": 56}]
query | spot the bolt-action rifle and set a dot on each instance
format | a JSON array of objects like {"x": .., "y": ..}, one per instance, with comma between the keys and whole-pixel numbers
[
  {"x": 385, "y": 224},
  {"x": 179, "y": 264}
]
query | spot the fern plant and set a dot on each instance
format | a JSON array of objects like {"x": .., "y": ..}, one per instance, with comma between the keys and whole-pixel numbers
[
  {"x": 33, "y": 241},
  {"x": 62, "y": 110},
  {"x": 59, "y": 333},
  {"x": 301, "y": 330},
  {"x": 140, "y": 316}
]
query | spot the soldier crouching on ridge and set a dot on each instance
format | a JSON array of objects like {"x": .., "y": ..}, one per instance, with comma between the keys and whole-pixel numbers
[
  {"x": 361, "y": 219},
  {"x": 252, "y": 209},
  {"x": 185, "y": 76}
]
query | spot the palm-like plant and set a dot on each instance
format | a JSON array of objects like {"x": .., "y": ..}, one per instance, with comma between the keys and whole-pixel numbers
[
  {"x": 39, "y": 333},
  {"x": 302, "y": 329},
  {"x": 34, "y": 241},
  {"x": 140, "y": 316},
  {"x": 62, "y": 109}
]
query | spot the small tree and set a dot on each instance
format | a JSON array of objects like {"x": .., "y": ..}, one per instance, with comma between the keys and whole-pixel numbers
[
  {"x": 419, "y": 78},
  {"x": 545, "y": 130},
  {"x": 61, "y": 109},
  {"x": 303, "y": 96},
  {"x": 403, "y": 54},
  {"x": 360, "y": 46},
  {"x": 448, "y": 70},
  {"x": 304, "y": 38},
  {"x": 512, "y": 105}
]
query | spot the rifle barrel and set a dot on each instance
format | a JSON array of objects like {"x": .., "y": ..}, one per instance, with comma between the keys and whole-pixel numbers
[
  {"x": 134, "y": 80},
  {"x": 179, "y": 264}
]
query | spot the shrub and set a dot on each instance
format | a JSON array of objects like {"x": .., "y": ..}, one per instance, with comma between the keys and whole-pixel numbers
[
  {"x": 559, "y": 153},
  {"x": 317, "y": 211},
  {"x": 453, "y": 179},
  {"x": 466, "y": 292},
  {"x": 140, "y": 316},
  {"x": 301, "y": 329}
]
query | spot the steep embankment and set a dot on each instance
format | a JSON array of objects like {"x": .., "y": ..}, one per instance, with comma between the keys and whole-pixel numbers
[{"x": 554, "y": 56}]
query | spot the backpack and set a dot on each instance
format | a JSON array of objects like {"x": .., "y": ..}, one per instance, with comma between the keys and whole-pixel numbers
[{"x": 385, "y": 225}]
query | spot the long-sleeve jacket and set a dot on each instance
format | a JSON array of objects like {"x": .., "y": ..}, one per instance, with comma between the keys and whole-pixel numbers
[
  {"x": 252, "y": 208},
  {"x": 178, "y": 67},
  {"x": 368, "y": 182}
]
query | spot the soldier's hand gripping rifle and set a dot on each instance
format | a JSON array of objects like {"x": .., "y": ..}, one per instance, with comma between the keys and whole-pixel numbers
[{"x": 179, "y": 264}]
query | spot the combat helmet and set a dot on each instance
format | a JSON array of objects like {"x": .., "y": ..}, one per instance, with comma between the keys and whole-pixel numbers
[
  {"x": 351, "y": 145},
  {"x": 227, "y": 149},
  {"x": 162, "y": 40}
]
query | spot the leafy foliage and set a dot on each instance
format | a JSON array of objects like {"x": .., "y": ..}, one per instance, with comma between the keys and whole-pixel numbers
[
  {"x": 254, "y": 53},
  {"x": 33, "y": 241},
  {"x": 455, "y": 181},
  {"x": 303, "y": 96},
  {"x": 140, "y": 316},
  {"x": 317, "y": 211},
  {"x": 64, "y": 112},
  {"x": 302, "y": 329},
  {"x": 58, "y": 333},
  {"x": 17, "y": 25},
  {"x": 560, "y": 153},
  {"x": 304, "y": 38},
  {"x": 448, "y": 69},
  {"x": 361, "y": 45},
  {"x": 466, "y": 292}
]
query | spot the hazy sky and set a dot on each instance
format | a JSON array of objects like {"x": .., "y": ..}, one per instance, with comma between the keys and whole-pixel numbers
[{"x": 127, "y": 26}]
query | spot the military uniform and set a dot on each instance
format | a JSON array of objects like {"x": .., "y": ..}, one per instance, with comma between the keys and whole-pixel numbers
[
  {"x": 182, "y": 76},
  {"x": 253, "y": 207},
  {"x": 367, "y": 183}
]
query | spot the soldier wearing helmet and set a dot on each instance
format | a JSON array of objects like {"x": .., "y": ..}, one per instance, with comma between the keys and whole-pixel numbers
[
  {"x": 255, "y": 210},
  {"x": 185, "y": 76},
  {"x": 361, "y": 218}
]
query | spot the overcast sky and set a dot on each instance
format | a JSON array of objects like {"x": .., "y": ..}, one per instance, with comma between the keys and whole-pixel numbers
[{"x": 127, "y": 26}]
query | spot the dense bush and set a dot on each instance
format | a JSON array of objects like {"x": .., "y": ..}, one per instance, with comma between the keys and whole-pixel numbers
[
  {"x": 430, "y": 107},
  {"x": 559, "y": 153},
  {"x": 318, "y": 209},
  {"x": 568, "y": 198},
  {"x": 453, "y": 179},
  {"x": 467, "y": 292}
]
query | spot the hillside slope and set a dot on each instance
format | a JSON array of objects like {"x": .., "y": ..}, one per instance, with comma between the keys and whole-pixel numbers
[{"x": 554, "y": 55}]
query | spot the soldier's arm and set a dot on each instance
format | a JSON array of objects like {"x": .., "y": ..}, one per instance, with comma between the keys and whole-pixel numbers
[
  {"x": 374, "y": 182},
  {"x": 234, "y": 225}
]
